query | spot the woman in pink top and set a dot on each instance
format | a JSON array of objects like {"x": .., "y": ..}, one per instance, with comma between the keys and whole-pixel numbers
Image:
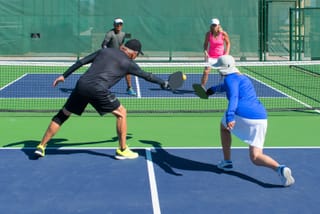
[{"x": 219, "y": 44}]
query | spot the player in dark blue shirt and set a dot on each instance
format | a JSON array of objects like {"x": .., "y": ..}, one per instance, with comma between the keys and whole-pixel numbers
[
  {"x": 245, "y": 117},
  {"x": 108, "y": 66}
]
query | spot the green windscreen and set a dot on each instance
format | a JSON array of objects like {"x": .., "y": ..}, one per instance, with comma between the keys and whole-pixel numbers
[{"x": 168, "y": 29}]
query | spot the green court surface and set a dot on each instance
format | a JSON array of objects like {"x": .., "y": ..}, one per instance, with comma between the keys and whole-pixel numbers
[{"x": 285, "y": 129}]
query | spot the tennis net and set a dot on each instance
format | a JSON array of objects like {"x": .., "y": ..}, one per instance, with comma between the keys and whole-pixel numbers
[{"x": 27, "y": 87}]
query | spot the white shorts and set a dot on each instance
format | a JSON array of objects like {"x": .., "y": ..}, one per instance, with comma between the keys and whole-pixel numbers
[
  {"x": 211, "y": 61},
  {"x": 250, "y": 131}
]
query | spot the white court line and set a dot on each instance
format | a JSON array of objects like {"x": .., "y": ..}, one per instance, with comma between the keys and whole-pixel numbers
[
  {"x": 138, "y": 87},
  {"x": 153, "y": 183},
  {"x": 10, "y": 83}
]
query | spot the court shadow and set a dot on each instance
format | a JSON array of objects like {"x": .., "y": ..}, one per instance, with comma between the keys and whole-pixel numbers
[
  {"x": 54, "y": 145},
  {"x": 178, "y": 91},
  {"x": 28, "y": 146},
  {"x": 66, "y": 90},
  {"x": 55, "y": 151},
  {"x": 168, "y": 162}
]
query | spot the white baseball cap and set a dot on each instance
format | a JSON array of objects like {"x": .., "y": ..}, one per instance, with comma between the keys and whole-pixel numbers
[
  {"x": 225, "y": 65},
  {"x": 215, "y": 21},
  {"x": 118, "y": 21}
]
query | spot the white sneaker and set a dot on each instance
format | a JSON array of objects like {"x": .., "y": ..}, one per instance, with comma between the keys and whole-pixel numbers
[
  {"x": 225, "y": 165},
  {"x": 285, "y": 175}
]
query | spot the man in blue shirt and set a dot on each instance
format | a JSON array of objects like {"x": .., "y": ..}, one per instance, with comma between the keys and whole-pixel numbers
[{"x": 245, "y": 117}]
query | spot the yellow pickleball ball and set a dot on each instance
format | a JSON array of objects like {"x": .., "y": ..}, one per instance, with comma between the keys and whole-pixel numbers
[{"x": 184, "y": 77}]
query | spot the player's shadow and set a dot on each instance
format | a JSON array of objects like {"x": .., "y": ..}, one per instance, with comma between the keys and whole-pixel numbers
[
  {"x": 168, "y": 162},
  {"x": 177, "y": 91},
  {"x": 54, "y": 147},
  {"x": 66, "y": 90}
]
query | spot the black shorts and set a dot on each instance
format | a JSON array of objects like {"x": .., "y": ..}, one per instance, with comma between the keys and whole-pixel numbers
[{"x": 103, "y": 101}]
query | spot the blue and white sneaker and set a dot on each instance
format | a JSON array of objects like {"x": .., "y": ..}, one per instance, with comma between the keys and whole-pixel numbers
[
  {"x": 225, "y": 165},
  {"x": 131, "y": 92},
  {"x": 285, "y": 175}
]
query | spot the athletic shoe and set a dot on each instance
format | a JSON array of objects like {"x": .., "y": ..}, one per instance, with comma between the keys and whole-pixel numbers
[
  {"x": 40, "y": 151},
  {"x": 131, "y": 92},
  {"x": 225, "y": 165},
  {"x": 125, "y": 154},
  {"x": 285, "y": 175}
]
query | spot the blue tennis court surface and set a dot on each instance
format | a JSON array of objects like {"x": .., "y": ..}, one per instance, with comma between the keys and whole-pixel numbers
[
  {"x": 160, "y": 181},
  {"x": 40, "y": 86}
]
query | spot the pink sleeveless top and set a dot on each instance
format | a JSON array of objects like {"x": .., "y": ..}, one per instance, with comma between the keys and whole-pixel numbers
[{"x": 216, "y": 46}]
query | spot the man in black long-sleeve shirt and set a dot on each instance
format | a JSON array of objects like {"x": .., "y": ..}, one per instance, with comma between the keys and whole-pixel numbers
[{"x": 108, "y": 66}]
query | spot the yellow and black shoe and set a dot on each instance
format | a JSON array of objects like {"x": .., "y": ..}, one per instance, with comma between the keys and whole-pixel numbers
[
  {"x": 40, "y": 151},
  {"x": 125, "y": 154}
]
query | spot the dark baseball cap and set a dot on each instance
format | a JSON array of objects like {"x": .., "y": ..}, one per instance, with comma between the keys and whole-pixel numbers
[{"x": 135, "y": 45}]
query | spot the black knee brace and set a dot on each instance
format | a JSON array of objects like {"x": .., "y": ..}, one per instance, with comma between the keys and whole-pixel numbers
[{"x": 60, "y": 118}]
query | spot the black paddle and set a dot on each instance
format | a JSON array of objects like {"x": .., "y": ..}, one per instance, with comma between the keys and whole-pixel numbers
[{"x": 200, "y": 91}]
